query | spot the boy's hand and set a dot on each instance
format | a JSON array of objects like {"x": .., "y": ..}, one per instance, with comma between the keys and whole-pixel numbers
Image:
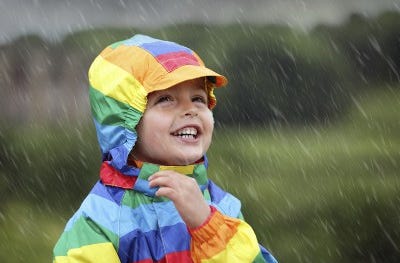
[{"x": 185, "y": 193}]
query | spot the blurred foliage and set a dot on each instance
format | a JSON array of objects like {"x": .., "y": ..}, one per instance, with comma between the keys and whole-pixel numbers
[
  {"x": 40, "y": 164},
  {"x": 281, "y": 80},
  {"x": 372, "y": 45},
  {"x": 307, "y": 136}
]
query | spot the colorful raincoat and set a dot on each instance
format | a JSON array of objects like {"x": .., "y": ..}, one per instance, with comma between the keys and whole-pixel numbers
[{"x": 122, "y": 220}]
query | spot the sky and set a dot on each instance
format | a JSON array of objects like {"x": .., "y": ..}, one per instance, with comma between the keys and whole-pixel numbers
[{"x": 52, "y": 19}]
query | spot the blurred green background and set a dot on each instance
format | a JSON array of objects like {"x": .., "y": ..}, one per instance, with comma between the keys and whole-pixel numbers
[{"x": 307, "y": 134}]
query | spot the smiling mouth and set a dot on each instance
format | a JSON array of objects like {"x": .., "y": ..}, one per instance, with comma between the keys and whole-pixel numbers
[{"x": 187, "y": 133}]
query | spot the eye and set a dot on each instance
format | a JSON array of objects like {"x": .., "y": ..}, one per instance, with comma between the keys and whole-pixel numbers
[
  {"x": 164, "y": 98},
  {"x": 200, "y": 99}
]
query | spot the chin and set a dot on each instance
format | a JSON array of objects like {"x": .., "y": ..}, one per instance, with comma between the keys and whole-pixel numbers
[{"x": 187, "y": 160}]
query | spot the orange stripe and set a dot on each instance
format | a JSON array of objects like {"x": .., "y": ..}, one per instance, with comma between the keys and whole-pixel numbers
[
  {"x": 212, "y": 237},
  {"x": 137, "y": 62},
  {"x": 242, "y": 247}
]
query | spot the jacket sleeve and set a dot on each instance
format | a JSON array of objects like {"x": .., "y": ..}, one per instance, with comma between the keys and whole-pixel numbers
[
  {"x": 85, "y": 241},
  {"x": 225, "y": 239}
]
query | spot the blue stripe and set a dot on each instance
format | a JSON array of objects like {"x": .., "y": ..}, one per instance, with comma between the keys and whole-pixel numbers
[
  {"x": 130, "y": 170},
  {"x": 267, "y": 256},
  {"x": 176, "y": 238},
  {"x": 155, "y": 46},
  {"x": 164, "y": 47},
  {"x": 167, "y": 214},
  {"x": 119, "y": 156},
  {"x": 138, "y": 245},
  {"x": 223, "y": 201},
  {"x": 109, "y": 136},
  {"x": 216, "y": 193},
  {"x": 111, "y": 193},
  {"x": 229, "y": 205},
  {"x": 143, "y": 186},
  {"x": 148, "y": 217},
  {"x": 138, "y": 40},
  {"x": 106, "y": 212},
  {"x": 118, "y": 141},
  {"x": 101, "y": 210}
]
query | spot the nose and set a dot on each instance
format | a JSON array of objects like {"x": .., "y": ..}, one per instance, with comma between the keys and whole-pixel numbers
[
  {"x": 189, "y": 109},
  {"x": 191, "y": 113}
]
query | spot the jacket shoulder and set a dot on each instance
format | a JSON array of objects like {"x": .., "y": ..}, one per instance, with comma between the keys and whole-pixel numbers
[
  {"x": 99, "y": 204},
  {"x": 225, "y": 202}
]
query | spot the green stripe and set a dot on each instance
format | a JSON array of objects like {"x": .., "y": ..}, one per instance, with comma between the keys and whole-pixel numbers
[
  {"x": 117, "y": 44},
  {"x": 147, "y": 170},
  {"x": 108, "y": 111},
  {"x": 207, "y": 195},
  {"x": 74, "y": 238},
  {"x": 134, "y": 199},
  {"x": 200, "y": 174}
]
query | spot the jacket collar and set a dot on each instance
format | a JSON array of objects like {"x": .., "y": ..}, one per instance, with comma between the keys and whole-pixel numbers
[{"x": 137, "y": 178}]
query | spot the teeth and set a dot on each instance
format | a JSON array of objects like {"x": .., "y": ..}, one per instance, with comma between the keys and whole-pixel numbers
[{"x": 187, "y": 132}]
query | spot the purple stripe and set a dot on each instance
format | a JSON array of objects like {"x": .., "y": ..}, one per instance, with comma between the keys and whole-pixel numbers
[
  {"x": 138, "y": 245},
  {"x": 216, "y": 193},
  {"x": 108, "y": 192}
]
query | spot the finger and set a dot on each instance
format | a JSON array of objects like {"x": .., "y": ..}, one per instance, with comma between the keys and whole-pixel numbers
[
  {"x": 166, "y": 192},
  {"x": 162, "y": 181},
  {"x": 164, "y": 178},
  {"x": 165, "y": 173}
]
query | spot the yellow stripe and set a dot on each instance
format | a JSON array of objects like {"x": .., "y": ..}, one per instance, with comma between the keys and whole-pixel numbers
[
  {"x": 117, "y": 83},
  {"x": 188, "y": 169},
  {"x": 99, "y": 253},
  {"x": 243, "y": 247}
]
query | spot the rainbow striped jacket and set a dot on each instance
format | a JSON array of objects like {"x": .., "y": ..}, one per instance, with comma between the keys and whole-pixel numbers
[{"x": 121, "y": 220}]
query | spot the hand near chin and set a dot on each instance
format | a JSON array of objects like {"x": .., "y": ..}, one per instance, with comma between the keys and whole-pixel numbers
[{"x": 185, "y": 193}]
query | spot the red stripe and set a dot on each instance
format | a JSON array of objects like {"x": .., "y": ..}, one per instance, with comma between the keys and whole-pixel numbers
[
  {"x": 181, "y": 257},
  {"x": 174, "y": 60},
  {"x": 111, "y": 176}
]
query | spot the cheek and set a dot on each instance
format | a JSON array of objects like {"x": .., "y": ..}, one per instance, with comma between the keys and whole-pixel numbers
[
  {"x": 211, "y": 119},
  {"x": 209, "y": 123},
  {"x": 155, "y": 128}
]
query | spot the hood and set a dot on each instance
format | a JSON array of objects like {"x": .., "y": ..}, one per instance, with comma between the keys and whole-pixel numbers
[{"x": 122, "y": 76}]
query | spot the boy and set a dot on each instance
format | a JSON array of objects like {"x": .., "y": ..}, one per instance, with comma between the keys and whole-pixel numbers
[{"x": 152, "y": 101}]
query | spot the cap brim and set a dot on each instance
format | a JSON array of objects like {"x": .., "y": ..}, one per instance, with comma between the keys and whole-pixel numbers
[{"x": 188, "y": 72}]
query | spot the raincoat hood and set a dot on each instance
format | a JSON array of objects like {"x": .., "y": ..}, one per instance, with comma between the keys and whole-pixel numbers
[{"x": 122, "y": 76}]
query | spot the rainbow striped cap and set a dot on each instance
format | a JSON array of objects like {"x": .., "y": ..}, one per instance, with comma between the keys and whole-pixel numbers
[{"x": 122, "y": 76}]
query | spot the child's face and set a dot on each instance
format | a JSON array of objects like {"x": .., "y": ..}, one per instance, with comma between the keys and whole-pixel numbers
[{"x": 177, "y": 125}]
